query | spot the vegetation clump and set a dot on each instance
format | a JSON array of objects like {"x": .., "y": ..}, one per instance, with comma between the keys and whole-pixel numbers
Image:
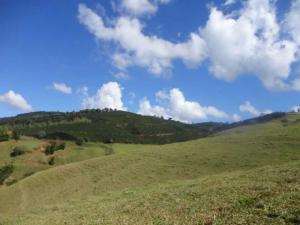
[
  {"x": 4, "y": 135},
  {"x": 79, "y": 141},
  {"x": 51, "y": 161},
  {"x": 17, "y": 151},
  {"x": 5, "y": 172},
  {"x": 54, "y": 146}
]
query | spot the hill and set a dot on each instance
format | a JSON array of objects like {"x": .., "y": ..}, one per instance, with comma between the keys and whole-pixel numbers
[
  {"x": 107, "y": 126},
  {"x": 115, "y": 126},
  {"x": 213, "y": 180}
]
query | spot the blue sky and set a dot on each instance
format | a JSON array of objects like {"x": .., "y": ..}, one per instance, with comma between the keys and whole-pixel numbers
[{"x": 190, "y": 60}]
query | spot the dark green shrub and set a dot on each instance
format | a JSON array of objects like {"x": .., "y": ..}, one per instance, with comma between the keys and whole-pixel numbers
[
  {"x": 51, "y": 161},
  {"x": 54, "y": 146},
  {"x": 108, "y": 140},
  {"x": 49, "y": 149},
  {"x": 17, "y": 151},
  {"x": 79, "y": 141},
  {"x": 4, "y": 137},
  {"x": 5, "y": 172}
]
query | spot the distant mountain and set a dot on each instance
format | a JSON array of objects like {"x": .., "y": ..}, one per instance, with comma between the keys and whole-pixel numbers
[{"x": 115, "y": 126}]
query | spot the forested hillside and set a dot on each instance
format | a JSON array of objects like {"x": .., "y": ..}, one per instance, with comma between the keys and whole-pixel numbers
[
  {"x": 111, "y": 126},
  {"x": 107, "y": 126}
]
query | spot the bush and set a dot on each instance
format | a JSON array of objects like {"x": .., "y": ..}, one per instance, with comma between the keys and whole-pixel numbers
[
  {"x": 79, "y": 141},
  {"x": 54, "y": 146},
  {"x": 51, "y": 161},
  {"x": 4, "y": 137},
  {"x": 5, "y": 172},
  {"x": 17, "y": 151}
]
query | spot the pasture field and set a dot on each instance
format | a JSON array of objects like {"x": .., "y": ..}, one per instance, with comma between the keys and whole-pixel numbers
[{"x": 245, "y": 175}]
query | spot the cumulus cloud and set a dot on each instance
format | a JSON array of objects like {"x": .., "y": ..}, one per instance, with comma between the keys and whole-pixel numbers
[
  {"x": 145, "y": 108},
  {"x": 108, "y": 96},
  {"x": 250, "y": 41},
  {"x": 249, "y": 44},
  {"x": 150, "y": 52},
  {"x": 176, "y": 106},
  {"x": 16, "y": 100},
  {"x": 236, "y": 118},
  {"x": 247, "y": 107},
  {"x": 296, "y": 108},
  {"x": 62, "y": 87},
  {"x": 141, "y": 7}
]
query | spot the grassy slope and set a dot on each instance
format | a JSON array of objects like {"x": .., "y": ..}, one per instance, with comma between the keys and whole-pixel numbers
[
  {"x": 35, "y": 159},
  {"x": 232, "y": 198},
  {"x": 220, "y": 170}
]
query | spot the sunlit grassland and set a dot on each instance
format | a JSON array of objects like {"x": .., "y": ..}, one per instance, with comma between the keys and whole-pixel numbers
[{"x": 247, "y": 175}]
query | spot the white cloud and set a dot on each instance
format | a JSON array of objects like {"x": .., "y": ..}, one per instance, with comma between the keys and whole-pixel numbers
[
  {"x": 249, "y": 41},
  {"x": 141, "y": 7},
  {"x": 16, "y": 100},
  {"x": 121, "y": 75},
  {"x": 229, "y": 2},
  {"x": 161, "y": 96},
  {"x": 178, "y": 108},
  {"x": 121, "y": 61},
  {"x": 293, "y": 21},
  {"x": 296, "y": 108},
  {"x": 108, "y": 96},
  {"x": 236, "y": 118},
  {"x": 62, "y": 87},
  {"x": 83, "y": 90},
  {"x": 247, "y": 107},
  {"x": 146, "y": 108},
  {"x": 151, "y": 52}
]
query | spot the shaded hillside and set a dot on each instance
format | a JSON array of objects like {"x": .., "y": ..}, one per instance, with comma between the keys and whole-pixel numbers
[
  {"x": 107, "y": 126},
  {"x": 111, "y": 126}
]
